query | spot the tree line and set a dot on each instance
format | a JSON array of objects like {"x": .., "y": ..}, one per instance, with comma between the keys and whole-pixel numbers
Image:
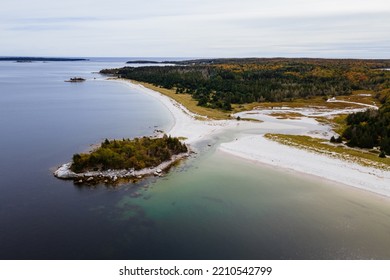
[
  {"x": 221, "y": 83},
  {"x": 369, "y": 129},
  {"x": 138, "y": 153}
]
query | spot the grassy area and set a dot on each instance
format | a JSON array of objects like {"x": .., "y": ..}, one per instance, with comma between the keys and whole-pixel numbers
[
  {"x": 322, "y": 146},
  {"x": 245, "y": 107},
  {"x": 287, "y": 115},
  {"x": 187, "y": 101},
  {"x": 363, "y": 157},
  {"x": 338, "y": 122},
  {"x": 251, "y": 120},
  {"x": 314, "y": 102},
  {"x": 361, "y": 96}
]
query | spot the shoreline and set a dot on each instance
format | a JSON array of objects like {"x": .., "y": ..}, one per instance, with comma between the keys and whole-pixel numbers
[
  {"x": 250, "y": 144},
  {"x": 285, "y": 157},
  {"x": 111, "y": 176},
  {"x": 257, "y": 148},
  {"x": 185, "y": 123}
]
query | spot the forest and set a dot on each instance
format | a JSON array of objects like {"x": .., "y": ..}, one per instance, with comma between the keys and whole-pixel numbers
[
  {"x": 137, "y": 153},
  {"x": 219, "y": 83},
  {"x": 370, "y": 129}
]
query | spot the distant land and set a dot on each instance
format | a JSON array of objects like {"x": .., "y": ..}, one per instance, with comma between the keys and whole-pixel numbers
[
  {"x": 143, "y": 62},
  {"x": 279, "y": 60},
  {"x": 30, "y": 59},
  {"x": 380, "y": 63}
]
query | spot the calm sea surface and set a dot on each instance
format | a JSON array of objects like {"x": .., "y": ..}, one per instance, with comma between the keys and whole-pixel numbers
[{"x": 212, "y": 206}]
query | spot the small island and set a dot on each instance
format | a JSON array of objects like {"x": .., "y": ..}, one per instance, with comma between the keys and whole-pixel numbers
[
  {"x": 75, "y": 80},
  {"x": 123, "y": 159}
]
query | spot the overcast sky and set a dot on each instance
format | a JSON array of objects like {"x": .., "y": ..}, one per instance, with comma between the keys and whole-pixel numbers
[{"x": 196, "y": 28}]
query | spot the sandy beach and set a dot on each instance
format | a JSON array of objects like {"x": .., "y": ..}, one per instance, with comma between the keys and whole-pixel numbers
[
  {"x": 249, "y": 143},
  {"x": 186, "y": 124}
]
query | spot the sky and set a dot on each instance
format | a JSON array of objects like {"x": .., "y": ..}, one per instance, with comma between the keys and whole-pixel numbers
[{"x": 196, "y": 28}]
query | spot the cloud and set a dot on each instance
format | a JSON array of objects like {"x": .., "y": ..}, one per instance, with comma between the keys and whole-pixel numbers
[
  {"x": 49, "y": 23},
  {"x": 197, "y": 28}
]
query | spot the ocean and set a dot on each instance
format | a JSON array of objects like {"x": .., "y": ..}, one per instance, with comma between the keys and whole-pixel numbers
[{"x": 211, "y": 206}]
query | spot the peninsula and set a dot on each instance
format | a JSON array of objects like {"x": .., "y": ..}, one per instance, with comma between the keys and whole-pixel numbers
[
  {"x": 302, "y": 105},
  {"x": 124, "y": 159}
]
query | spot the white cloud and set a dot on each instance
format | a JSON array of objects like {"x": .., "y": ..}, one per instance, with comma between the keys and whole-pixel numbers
[{"x": 356, "y": 28}]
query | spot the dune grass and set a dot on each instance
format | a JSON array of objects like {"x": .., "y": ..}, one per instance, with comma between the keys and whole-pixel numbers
[
  {"x": 323, "y": 146},
  {"x": 314, "y": 102},
  {"x": 187, "y": 101}
]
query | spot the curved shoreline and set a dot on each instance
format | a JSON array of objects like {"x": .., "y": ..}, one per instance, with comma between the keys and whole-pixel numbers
[
  {"x": 282, "y": 156},
  {"x": 185, "y": 123},
  {"x": 261, "y": 150}
]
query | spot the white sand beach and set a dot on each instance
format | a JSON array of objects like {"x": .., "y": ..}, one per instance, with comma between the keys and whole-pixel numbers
[
  {"x": 260, "y": 149},
  {"x": 254, "y": 146},
  {"x": 185, "y": 123}
]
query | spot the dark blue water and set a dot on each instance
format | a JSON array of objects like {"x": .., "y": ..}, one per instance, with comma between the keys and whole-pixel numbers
[
  {"x": 212, "y": 206},
  {"x": 43, "y": 122}
]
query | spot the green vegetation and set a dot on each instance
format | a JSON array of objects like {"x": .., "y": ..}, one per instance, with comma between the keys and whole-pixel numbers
[
  {"x": 286, "y": 115},
  {"x": 339, "y": 123},
  {"x": 138, "y": 153},
  {"x": 187, "y": 101},
  {"x": 361, "y": 96},
  {"x": 249, "y": 119},
  {"x": 322, "y": 146},
  {"x": 216, "y": 88},
  {"x": 369, "y": 129},
  {"x": 222, "y": 83},
  {"x": 336, "y": 140}
]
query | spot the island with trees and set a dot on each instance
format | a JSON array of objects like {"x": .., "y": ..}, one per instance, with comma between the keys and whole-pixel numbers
[
  {"x": 75, "y": 80},
  {"x": 124, "y": 159}
]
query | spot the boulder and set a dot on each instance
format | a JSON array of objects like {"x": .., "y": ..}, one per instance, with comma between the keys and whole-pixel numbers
[{"x": 64, "y": 172}]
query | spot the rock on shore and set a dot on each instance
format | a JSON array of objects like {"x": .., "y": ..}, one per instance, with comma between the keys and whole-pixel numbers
[{"x": 64, "y": 172}]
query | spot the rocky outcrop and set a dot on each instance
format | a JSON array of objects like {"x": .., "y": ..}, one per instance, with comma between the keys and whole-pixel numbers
[{"x": 64, "y": 172}]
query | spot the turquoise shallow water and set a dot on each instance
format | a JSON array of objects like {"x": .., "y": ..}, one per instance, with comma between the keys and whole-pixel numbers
[
  {"x": 226, "y": 208},
  {"x": 211, "y": 206}
]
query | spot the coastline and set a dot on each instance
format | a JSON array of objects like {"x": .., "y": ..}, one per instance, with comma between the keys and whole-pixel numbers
[
  {"x": 186, "y": 124},
  {"x": 111, "y": 176},
  {"x": 259, "y": 149},
  {"x": 262, "y": 150}
]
